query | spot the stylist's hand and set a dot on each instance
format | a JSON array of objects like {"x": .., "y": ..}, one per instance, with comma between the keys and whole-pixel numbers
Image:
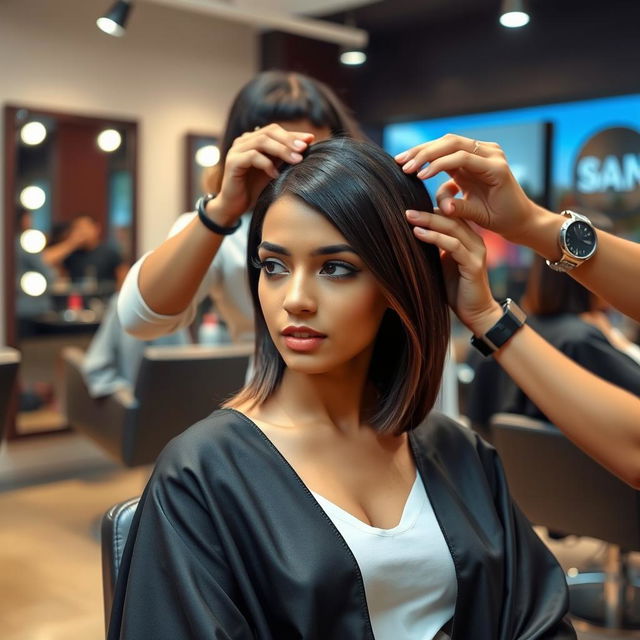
[
  {"x": 463, "y": 257},
  {"x": 251, "y": 163},
  {"x": 491, "y": 196}
]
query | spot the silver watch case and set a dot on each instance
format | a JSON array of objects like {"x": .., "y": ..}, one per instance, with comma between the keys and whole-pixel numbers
[{"x": 569, "y": 260}]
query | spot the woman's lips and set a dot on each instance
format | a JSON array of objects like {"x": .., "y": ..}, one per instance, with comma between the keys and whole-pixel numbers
[
  {"x": 303, "y": 344},
  {"x": 302, "y": 339}
]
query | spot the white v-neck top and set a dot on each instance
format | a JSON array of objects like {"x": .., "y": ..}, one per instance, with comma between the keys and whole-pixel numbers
[{"x": 408, "y": 573}]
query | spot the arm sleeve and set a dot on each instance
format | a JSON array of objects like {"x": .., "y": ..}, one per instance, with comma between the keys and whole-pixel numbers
[
  {"x": 537, "y": 600},
  {"x": 139, "y": 319},
  {"x": 101, "y": 367},
  {"x": 174, "y": 581}
]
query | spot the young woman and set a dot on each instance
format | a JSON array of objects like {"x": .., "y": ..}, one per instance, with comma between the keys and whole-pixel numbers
[
  {"x": 272, "y": 120},
  {"x": 320, "y": 503}
]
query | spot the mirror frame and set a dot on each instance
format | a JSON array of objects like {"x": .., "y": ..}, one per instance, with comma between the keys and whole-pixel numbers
[{"x": 9, "y": 117}]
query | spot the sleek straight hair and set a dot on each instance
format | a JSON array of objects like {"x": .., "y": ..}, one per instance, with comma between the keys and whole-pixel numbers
[
  {"x": 283, "y": 96},
  {"x": 363, "y": 193}
]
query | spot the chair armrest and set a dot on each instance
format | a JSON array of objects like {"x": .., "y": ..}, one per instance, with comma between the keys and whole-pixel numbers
[{"x": 9, "y": 355}]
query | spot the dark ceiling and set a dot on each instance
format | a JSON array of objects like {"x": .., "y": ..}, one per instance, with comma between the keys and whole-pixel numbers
[{"x": 392, "y": 15}]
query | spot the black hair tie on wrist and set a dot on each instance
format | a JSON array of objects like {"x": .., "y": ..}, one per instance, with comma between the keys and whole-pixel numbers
[{"x": 208, "y": 222}]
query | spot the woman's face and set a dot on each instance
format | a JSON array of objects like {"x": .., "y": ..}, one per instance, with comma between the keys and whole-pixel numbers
[{"x": 321, "y": 304}]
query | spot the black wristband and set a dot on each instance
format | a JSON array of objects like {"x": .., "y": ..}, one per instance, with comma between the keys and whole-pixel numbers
[
  {"x": 512, "y": 320},
  {"x": 208, "y": 222}
]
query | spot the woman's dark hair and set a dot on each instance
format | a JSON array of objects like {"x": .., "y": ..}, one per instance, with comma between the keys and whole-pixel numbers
[
  {"x": 283, "y": 96},
  {"x": 363, "y": 193},
  {"x": 551, "y": 292}
]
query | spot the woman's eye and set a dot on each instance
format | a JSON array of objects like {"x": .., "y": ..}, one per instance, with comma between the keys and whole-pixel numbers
[
  {"x": 273, "y": 267},
  {"x": 338, "y": 270}
]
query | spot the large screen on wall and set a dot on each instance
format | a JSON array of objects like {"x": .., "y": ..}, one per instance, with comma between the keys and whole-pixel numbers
[{"x": 592, "y": 164}]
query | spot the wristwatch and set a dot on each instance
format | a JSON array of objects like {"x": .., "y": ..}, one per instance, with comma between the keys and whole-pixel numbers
[
  {"x": 577, "y": 240},
  {"x": 513, "y": 318}
]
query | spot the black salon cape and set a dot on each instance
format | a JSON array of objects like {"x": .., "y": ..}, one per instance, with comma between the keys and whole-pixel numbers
[{"x": 228, "y": 543}]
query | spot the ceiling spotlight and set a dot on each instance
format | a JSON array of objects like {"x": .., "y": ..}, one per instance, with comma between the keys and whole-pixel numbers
[
  {"x": 514, "y": 14},
  {"x": 353, "y": 57},
  {"x": 114, "y": 21}
]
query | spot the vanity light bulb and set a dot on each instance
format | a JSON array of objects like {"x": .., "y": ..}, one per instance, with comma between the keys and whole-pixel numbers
[
  {"x": 109, "y": 140},
  {"x": 33, "y": 133},
  {"x": 32, "y": 197},
  {"x": 208, "y": 155},
  {"x": 33, "y": 241},
  {"x": 33, "y": 283}
]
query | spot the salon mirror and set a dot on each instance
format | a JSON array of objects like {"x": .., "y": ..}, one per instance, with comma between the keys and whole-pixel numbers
[{"x": 70, "y": 212}]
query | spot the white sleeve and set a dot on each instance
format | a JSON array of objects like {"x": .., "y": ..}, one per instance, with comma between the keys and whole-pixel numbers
[{"x": 138, "y": 318}]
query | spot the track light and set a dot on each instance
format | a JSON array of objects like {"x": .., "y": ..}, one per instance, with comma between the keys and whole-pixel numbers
[
  {"x": 114, "y": 21},
  {"x": 514, "y": 14},
  {"x": 352, "y": 56}
]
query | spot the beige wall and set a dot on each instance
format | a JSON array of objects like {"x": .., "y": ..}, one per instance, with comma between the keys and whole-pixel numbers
[{"x": 173, "y": 72}]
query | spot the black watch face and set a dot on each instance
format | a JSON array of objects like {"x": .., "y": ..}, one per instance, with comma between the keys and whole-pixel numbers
[{"x": 580, "y": 239}]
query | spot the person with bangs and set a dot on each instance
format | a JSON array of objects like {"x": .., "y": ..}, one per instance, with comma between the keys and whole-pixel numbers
[
  {"x": 326, "y": 500},
  {"x": 272, "y": 120}
]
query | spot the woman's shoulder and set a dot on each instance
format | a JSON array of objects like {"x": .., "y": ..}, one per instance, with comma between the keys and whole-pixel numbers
[
  {"x": 208, "y": 443},
  {"x": 442, "y": 436}
]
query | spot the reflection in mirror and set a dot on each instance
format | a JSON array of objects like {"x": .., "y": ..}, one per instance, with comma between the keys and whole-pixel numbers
[
  {"x": 70, "y": 194},
  {"x": 202, "y": 154}
]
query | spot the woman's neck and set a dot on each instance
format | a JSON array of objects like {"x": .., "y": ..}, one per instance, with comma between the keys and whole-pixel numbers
[{"x": 339, "y": 401}]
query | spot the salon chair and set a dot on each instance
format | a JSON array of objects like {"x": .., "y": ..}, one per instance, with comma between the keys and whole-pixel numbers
[
  {"x": 175, "y": 387},
  {"x": 9, "y": 361},
  {"x": 559, "y": 487},
  {"x": 116, "y": 523}
]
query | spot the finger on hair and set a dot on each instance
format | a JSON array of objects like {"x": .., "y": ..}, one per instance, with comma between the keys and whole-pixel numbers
[
  {"x": 298, "y": 140},
  {"x": 257, "y": 160},
  {"x": 416, "y": 157},
  {"x": 458, "y": 229},
  {"x": 473, "y": 163},
  {"x": 270, "y": 146}
]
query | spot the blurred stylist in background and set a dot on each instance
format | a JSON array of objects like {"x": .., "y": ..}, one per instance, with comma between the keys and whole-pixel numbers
[
  {"x": 599, "y": 417},
  {"x": 274, "y": 118}
]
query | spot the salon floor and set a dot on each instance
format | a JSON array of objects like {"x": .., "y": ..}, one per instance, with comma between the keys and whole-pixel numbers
[{"x": 50, "y": 575}]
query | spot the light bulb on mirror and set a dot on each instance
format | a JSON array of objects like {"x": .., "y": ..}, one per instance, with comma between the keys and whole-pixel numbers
[
  {"x": 34, "y": 284},
  {"x": 33, "y": 133},
  {"x": 33, "y": 241},
  {"x": 109, "y": 140},
  {"x": 208, "y": 156},
  {"x": 32, "y": 197}
]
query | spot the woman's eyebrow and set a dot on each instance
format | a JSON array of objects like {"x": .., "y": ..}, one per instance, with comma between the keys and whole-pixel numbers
[
  {"x": 320, "y": 251},
  {"x": 333, "y": 248}
]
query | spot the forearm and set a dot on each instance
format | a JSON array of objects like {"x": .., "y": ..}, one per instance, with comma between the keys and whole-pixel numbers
[
  {"x": 53, "y": 256},
  {"x": 602, "y": 419},
  {"x": 171, "y": 274},
  {"x": 613, "y": 273}
]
